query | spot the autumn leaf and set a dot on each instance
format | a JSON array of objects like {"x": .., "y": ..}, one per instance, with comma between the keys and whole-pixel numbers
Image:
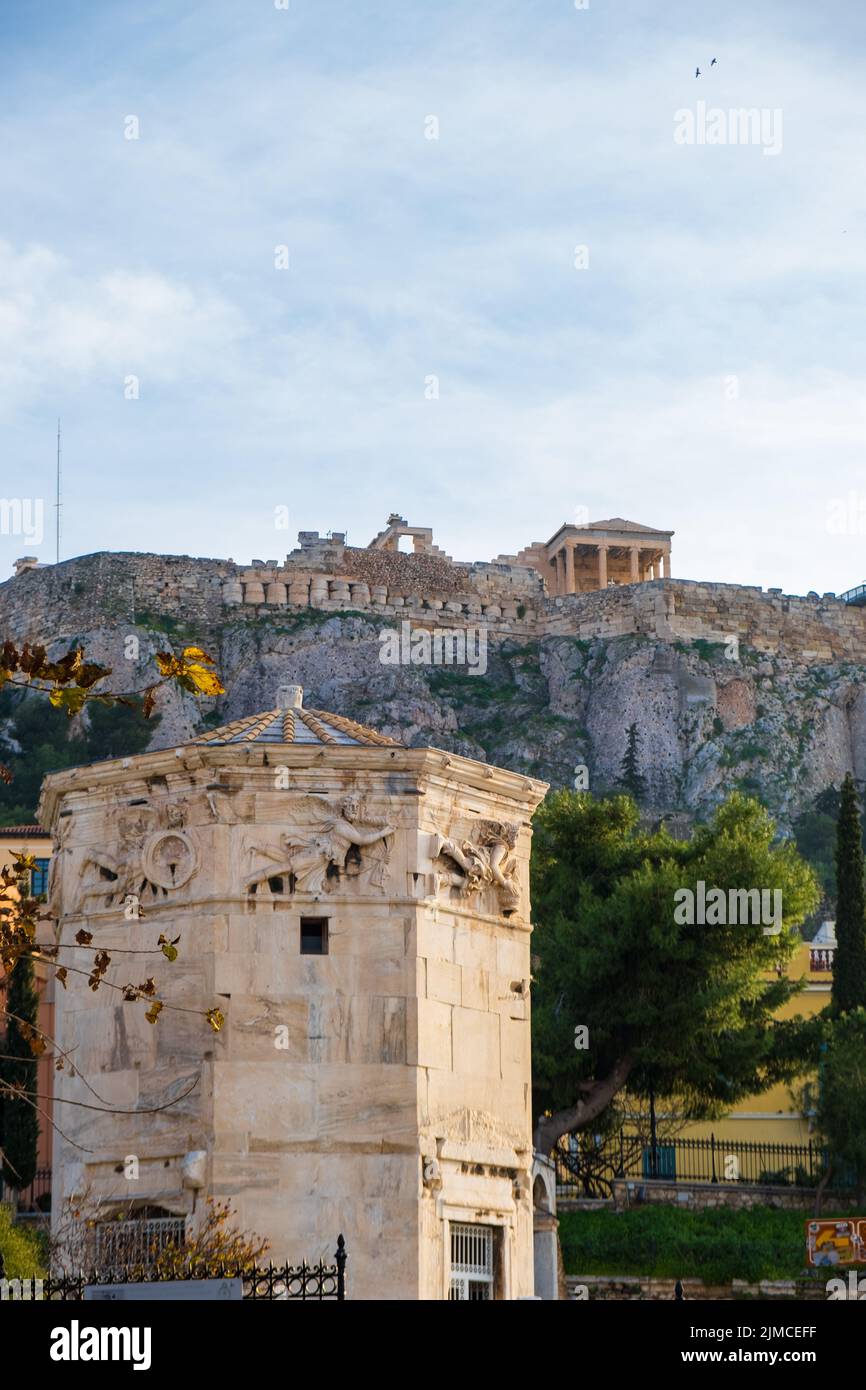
[
  {"x": 190, "y": 670},
  {"x": 72, "y": 700},
  {"x": 5, "y": 774},
  {"x": 60, "y": 974},
  {"x": 83, "y": 938},
  {"x": 65, "y": 669},
  {"x": 90, "y": 673},
  {"x": 32, "y": 660},
  {"x": 168, "y": 664},
  {"x": 215, "y": 1019},
  {"x": 154, "y": 1011},
  {"x": 168, "y": 947},
  {"x": 31, "y": 1036},
  {"x": 149, "y": 702},
  {"x": 208, "y": 682},
  {"x": 148, "y": 988}
]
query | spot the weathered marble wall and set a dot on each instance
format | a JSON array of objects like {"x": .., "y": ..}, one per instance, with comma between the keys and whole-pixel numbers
[{"x": 381, "y": 1090}]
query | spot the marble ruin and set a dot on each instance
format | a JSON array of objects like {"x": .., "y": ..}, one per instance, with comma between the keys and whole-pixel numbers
[{"x": 359, "y": 912}]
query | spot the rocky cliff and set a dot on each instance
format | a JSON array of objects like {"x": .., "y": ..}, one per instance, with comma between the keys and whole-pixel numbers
[{"x": 728, "y": 686}]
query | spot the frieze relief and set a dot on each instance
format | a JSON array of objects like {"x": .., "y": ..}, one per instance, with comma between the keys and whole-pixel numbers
[
  {"x": 483, "y": 868},
  {"x": 330, "y": 844},
  {"x": 155, "y": 855}
]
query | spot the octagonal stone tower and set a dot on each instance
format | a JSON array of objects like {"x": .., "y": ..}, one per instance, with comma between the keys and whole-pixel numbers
[{"x": 359, "y": 912}]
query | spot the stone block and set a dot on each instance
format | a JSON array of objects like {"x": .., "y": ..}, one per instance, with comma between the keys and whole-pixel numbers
[
  {"x": 476, "y": 1042},
  {"x": 434, "y": 1046},
  {"x": 443, "y": 981},
  {"x": 476, "y": 989}
]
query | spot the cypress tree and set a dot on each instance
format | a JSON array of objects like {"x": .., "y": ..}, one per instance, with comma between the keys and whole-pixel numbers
[
  {"x": 631, "y": 778},
  {"x": 849, "y": 966},
  {"x": 19, "y": 1121}
]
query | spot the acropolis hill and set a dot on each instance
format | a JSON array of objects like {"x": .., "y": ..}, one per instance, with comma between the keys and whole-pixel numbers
[{"x": 729, "y": 685}]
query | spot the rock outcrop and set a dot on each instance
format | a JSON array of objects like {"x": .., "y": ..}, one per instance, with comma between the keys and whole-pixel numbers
[{"x": 728, "y": 686}]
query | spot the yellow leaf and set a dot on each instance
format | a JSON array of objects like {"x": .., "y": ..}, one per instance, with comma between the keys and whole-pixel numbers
[
  {"x": 167, "y": 664},
  {"x": 169, "y": 950},
  {"x": 215, "y": 1019},
  {"x": 208, "y": 682},
  {"x": 71, "y": 700},
  {"x": 154, "y": 1011}
]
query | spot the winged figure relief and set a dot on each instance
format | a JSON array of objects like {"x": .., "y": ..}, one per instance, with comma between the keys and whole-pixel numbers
[
  {"x": 328, "y": 840},
  {"x": 486, "y": 862}
]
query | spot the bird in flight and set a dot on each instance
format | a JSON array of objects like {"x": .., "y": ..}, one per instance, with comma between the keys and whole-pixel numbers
[
  {"x": 713, "y": 63},
  {"x": 697, "y": 72}
]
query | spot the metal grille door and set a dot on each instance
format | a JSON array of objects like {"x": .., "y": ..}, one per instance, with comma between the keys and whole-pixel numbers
[
  {"x": 471, "y": 1263},
  {"x": 134, "y": 1242}
]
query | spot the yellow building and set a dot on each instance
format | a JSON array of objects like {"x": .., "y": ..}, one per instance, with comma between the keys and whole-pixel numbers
[
  {"x": 776, "y": 1116},
  {"x": 33, "y": 840},
  {"x": 765, "y": 1138},
  {"x": 27, "y": 839}
]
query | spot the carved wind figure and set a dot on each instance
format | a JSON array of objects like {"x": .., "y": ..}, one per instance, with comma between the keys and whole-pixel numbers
[
  {"x": 335, "y": 829},
  {"x": 150, "y": 862},
  {"x": 489, "y": 862}
]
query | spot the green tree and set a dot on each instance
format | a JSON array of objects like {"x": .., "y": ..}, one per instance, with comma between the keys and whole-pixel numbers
[
  {"x": 40, "y": 742},
  {"x": 849, "y": 965},
  {"x": 631, "y": 779},
  {"x": 841, "y": 1110},
  {"x": 19, "y": 1120},
  {"x": 688, "y": 1010}
]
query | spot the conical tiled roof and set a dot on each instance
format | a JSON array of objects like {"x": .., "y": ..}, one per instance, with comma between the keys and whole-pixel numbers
[{"x": 291, "y": 723}]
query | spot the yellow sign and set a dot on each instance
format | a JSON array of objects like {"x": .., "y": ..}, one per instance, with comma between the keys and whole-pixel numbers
[{"x": 836, "y": 1242}]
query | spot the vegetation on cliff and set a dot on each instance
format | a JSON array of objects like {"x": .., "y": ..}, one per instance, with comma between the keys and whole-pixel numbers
[{"x": 35, "y": 741}]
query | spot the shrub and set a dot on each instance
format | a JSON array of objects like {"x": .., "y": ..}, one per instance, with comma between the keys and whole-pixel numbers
[
  {"x": 717, "y": 1245},
  {"x": 23, "y": 1250}
]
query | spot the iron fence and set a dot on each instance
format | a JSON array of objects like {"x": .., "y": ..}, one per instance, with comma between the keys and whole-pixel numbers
[
  {"x": 587, "y": 1164},
  {"x": 32, "y": 1200},
  {"x": 274, "y": 1283}
]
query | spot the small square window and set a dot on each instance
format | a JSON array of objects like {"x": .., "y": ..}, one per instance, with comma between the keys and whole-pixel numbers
[{"x": 314, "y": 936}]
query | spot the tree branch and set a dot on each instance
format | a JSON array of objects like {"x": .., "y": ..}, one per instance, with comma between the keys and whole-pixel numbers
[{"x": 599, "y": 1094}]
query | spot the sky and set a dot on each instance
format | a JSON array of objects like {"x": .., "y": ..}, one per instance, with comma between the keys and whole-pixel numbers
[{"x": 332, "y": 259}]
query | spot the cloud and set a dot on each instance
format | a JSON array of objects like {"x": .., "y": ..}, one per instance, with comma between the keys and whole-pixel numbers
[
  {"x": 96, "y": 329},
  {"x": 452, "y": 257}
]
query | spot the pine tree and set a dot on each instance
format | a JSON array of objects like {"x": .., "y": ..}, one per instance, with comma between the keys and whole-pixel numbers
[
  {"x": 631, "y": 778},
  {"x": 19, "y": 1121},
  {"x": 849, "y": 966}
]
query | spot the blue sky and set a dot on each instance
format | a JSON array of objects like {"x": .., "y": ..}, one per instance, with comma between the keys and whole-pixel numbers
[{"x": 704, "y": 373}]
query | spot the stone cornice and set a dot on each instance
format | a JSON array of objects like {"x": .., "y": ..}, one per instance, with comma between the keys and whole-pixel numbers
[{"x": 258, "y": 764}]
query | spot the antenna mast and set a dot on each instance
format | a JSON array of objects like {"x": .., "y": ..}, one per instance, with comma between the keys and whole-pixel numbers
[{"x": 57, "y": 503}]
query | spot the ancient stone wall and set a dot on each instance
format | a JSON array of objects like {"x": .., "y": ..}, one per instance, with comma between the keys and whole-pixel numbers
[
  {"x": 634, "y": 1288},
  {"x": 93, "y": 590},
  {"x": 809, "y": 628}
]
